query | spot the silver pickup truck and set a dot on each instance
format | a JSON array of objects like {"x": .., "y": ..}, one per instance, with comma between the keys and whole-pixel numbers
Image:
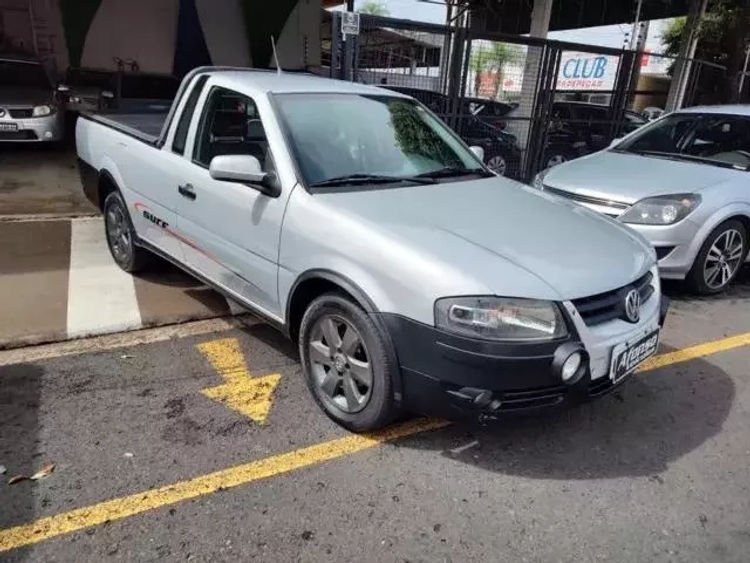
[{"x": 354, "y": 220}]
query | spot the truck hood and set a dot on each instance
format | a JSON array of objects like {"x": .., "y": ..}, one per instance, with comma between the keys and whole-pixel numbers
[
  {"x": 12, "y": 96},
  {"x": 628, "y": 178},
  {"x": 506, "y": 237}
]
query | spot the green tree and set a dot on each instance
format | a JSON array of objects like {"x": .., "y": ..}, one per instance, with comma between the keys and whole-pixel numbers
[
  {"x": 492, "y": 58},
  {"x": 373, "y": 7},
  {"x": 722, "y": 39}
]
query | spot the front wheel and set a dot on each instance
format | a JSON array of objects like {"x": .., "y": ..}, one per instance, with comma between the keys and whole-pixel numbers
[
  {"x": 497, "y": 164},
  {"x": 719, "y": 259},
  {"x": 347, "y": 364}
]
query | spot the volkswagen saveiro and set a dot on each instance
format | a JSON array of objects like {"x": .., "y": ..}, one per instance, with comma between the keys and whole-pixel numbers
[{"x": 360, "y": 225}]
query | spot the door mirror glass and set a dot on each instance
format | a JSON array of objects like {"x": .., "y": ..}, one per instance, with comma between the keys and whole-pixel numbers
[
  {"x": 237, "y": 168},
  {"x": 478, "y": 151}
]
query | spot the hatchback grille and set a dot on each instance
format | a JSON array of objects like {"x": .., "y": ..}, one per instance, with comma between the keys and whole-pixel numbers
[
  {"x": 20, "y": 113},
  {"x": 606, "y": 306},
  {"x": 615, "y": 205}
]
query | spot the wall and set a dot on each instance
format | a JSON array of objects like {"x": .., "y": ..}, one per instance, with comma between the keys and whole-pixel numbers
[{"x": 298, "y": 45}]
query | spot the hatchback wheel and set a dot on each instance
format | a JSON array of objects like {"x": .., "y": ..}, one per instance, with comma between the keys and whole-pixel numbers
[
  {"x": 719, "y": 259},
  {"x": 554, "y": 159},
  {"x": 497, "y": 164},
  {"x": 348, "y": 363},
  {"x": 121, "y": 235}
]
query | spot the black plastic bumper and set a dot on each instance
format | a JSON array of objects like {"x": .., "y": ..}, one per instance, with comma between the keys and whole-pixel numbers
[{"x": 455, "y": 377}]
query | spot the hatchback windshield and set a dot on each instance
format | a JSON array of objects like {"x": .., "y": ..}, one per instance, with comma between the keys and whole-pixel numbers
[
  {"x": 22, "y": 75},
  {"x": 720, "y": 140},
  {"x": 346, "y": 136}
]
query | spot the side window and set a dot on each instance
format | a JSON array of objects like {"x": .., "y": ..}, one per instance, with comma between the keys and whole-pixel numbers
[
  {"x": 231, "y": 125},
  {"x": 722, "y": 138},
  {"x": 180, "y": 134}
]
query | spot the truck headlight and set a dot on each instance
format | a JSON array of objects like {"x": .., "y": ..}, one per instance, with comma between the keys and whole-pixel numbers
[
  {"x": 41, "y": 111},
  {"x": 661, "y": 210},
  {"x": 500, "y": 318}
]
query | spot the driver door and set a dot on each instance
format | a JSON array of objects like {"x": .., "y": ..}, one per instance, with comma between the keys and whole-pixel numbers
[{"x": 230, "y": 230}]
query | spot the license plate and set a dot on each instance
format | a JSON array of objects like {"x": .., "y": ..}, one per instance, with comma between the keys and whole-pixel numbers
[
  {"x": 8, "y": 126},
  {"x": 625, "y": 358}
]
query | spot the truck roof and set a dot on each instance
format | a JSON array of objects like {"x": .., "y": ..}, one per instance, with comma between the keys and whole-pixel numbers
[{"x": 265, "y": 81}]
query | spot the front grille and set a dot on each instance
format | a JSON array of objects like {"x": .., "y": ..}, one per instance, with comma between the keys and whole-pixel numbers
[
  {"x": 20, "y": 113},
  {"x": 534, "y": 398},
  {"x": 616, "y": 205},
  {"x": 609, "y": 305}
]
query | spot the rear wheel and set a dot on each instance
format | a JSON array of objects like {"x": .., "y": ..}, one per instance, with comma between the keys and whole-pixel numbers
[
  {"x": 719, "y": 259},
  {"x": 121, "y": 235},
  {"x": 497, "y": 164},
  {"x": 347, "y": 364}
]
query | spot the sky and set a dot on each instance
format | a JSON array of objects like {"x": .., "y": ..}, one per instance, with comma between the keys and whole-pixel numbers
[{"x": 605, "y": 36}]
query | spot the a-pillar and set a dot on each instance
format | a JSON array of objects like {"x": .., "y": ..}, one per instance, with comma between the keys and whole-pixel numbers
[{"x": 684, "y": 63}]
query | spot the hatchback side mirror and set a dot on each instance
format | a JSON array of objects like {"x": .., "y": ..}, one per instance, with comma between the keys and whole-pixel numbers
[{"x": 243, "y": 168}]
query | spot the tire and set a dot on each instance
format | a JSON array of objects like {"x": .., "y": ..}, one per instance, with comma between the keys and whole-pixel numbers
[
  {"x": 121, "y": 235},
  {"x": 727, "y": 245},
  {"x": 330, "y": 372},
  {"x": 553, "y": 158},
  {"x": 498, "y": 164}
]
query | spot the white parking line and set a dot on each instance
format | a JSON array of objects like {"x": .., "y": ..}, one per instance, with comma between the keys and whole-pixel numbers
[{"x": 101, "y": 297}]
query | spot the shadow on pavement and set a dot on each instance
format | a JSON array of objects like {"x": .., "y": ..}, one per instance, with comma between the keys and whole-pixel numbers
[
  {"x": 20, "y": 396},
  {"x": 738, "y": 289},
  {"x": 652, "y": 420}
]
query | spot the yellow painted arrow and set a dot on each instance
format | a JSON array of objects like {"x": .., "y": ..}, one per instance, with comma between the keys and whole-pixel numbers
[{"x": 249, "y": 396}]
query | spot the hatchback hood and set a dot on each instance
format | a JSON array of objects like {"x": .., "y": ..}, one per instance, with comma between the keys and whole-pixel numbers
[
  {"x": 514, "y": 240},
  {"x": 628, "y": 178},
  {"x": 11, "y": 96}
]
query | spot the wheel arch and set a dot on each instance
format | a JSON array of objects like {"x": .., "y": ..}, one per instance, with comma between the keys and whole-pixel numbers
[
  {"x": 736, "y": 211},
  {"x": 313, "y": 283}
]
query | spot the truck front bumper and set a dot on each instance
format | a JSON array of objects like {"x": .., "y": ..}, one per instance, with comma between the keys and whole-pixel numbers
[{"x": 451, "y": 376}]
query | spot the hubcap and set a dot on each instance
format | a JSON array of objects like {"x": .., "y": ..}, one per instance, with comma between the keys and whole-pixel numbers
[
  {"x": 340, "y": 364},
  {"x": 497, "y": 164},
  {"x": 723, "y": 259},
  {"x": 555, "y": 160},
  {"x": 118, "y": 233}
]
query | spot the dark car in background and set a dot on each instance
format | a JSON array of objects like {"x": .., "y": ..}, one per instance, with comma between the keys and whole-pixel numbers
[
  {"x": 88, "y": 89},
  {"x": 580, "y": 128},
  {"x": 145, "y": 92},
  {"x": 501, "y": 152},
  {"x": 491, "y": 112}
]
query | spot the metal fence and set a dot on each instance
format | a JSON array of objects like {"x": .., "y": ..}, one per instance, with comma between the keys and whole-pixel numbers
[{"x": 529, "y": 103}]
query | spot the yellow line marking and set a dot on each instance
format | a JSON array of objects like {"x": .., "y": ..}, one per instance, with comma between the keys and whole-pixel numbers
[
  {"x": 697, "y": 351},
  {"x": 241, "y": 392},
  {"x": 119, "y": 508},
  {"x": 124, "y": 507}
]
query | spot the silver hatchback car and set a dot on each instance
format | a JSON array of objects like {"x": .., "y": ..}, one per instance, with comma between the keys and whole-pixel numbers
[{"x": 683, "y": 182}]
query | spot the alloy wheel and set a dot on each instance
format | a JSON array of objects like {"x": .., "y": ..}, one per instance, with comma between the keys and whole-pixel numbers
[
  {"x": 340, "y": 364},
  {"x": 723, "y": 259},
  {"x": 118, "y": 233},
  {"x": 556, "y": 159},
  {"x": 497, "y": 164}
]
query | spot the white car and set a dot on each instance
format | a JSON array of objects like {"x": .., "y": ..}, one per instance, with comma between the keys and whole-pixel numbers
[{"x": 683, "y": 182}]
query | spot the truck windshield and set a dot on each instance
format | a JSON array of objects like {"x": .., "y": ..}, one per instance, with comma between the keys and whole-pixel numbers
[
  {"x": 712, "y": 139},
  {"x": 347, "y": 139},
  {"x": 23, "y": 75}
]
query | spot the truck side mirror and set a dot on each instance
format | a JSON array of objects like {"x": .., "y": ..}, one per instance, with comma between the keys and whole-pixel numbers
[
  {"x": 478, "y": 152},
  {"x": 243, "y": 168}
]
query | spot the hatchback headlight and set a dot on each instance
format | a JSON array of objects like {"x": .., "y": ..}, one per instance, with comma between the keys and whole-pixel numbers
[
  {"x": 500, "y": 318},
  {"x": 661, "y": 210},
  {"x": 41, "y": 111}
]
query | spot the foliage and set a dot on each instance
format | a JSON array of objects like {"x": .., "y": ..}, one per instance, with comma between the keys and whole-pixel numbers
[
  {"x": 373, "y": 7},
  {"x": 492, "y": 57},
  {"x": 413, "y": 136},
  {"x": 723, "y": 36}
]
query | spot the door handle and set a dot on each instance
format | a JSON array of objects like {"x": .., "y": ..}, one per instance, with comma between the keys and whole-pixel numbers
[{"x": 187, "y": 190}]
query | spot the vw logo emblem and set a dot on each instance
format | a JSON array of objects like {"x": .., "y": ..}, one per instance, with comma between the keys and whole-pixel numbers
[{"x": 633, "y": 306}]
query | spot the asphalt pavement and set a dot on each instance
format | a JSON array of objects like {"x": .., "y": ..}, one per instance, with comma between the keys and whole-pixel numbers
[{"x": 155, "y": 459}]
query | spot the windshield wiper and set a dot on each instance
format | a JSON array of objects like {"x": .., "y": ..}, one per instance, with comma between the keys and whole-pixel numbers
[
  {"x": 358, "y": 179},
  {"x": 689, "y": 157},
  {"x": 452, "y": 172}
]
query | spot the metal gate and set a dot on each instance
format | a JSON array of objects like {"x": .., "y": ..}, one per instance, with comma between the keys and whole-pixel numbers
[{"x": 529, "y": 103}]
